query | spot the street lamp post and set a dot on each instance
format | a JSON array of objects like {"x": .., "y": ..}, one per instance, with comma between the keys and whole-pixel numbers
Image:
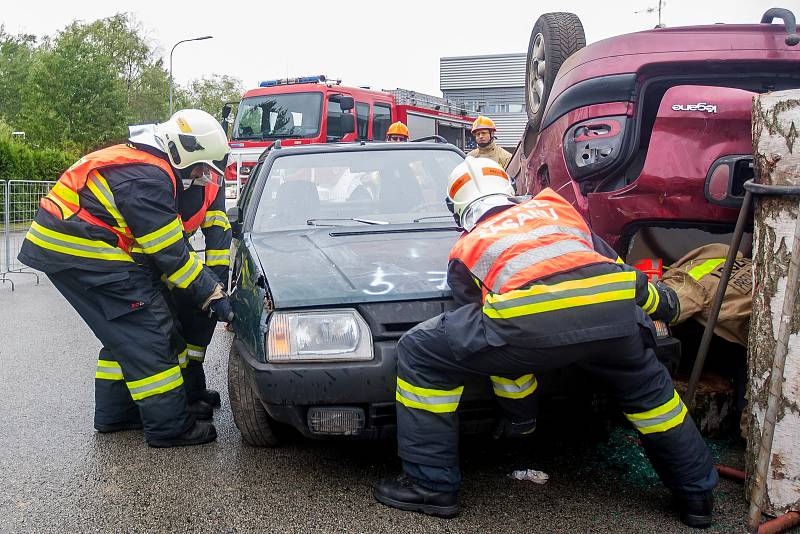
[{"x": 170, "y": 64}]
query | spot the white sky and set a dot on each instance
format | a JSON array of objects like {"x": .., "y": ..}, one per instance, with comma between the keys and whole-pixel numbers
[{"x": 381, "y": 44}]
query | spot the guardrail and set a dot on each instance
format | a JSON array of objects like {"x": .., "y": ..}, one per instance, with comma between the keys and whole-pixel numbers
[{"x": 19, "y": 201}]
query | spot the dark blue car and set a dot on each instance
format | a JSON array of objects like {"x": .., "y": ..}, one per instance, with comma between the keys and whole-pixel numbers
[{"x": 340, "y": 250}]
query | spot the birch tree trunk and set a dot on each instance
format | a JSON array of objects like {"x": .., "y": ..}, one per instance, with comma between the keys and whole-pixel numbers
[{"x": 776, "y": 150}]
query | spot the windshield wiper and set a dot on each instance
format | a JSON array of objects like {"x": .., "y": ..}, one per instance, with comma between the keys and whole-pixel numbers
[
  {"x": 420, "y": 219},
  {"x": 313, "y": 222}
]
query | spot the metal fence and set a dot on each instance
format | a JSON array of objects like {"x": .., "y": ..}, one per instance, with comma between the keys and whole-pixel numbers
[{"x": 19, "y": 201}]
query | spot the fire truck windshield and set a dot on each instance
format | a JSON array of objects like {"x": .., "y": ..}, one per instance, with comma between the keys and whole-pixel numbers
[{"x": 278, "y": 116}]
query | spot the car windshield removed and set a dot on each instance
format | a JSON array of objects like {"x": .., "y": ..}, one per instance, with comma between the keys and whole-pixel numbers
[
  {"x": 279, "y": 116},
  {"x": 373, "y": 187}
]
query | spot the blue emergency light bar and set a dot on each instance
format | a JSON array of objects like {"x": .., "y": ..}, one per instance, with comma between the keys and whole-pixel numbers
[{"x": 321, "y": 78}]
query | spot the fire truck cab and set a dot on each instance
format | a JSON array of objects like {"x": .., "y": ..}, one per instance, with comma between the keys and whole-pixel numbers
[{"x": 315, "y": 109}]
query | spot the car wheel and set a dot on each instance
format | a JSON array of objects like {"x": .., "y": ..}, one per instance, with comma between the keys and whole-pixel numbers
[
  {"x": 256, "y": 426},
  {"x": 554, "y": 38}
]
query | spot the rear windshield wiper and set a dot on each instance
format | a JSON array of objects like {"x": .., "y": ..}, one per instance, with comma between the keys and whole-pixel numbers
[{"x": 313, "y": 222}]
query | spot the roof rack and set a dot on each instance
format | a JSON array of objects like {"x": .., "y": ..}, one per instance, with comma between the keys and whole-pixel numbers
[{"x": 422, "y": 100}]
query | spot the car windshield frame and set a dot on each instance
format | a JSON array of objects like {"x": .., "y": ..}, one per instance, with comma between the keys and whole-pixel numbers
[
  {"x": 433, "y": 196},
  {"x": 312, "y": 114}
]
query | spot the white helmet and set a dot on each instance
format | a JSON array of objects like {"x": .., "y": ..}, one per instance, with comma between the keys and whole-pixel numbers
[
  {"x": 475, "y": 179},
  {"x": 193, "y": 136}
]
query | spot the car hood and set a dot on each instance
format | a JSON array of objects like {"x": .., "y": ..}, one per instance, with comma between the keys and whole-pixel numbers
[{"x": 347, "y": 264}]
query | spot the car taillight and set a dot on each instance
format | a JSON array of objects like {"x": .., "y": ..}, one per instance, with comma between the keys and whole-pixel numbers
[{"x": 591, "y": 146}]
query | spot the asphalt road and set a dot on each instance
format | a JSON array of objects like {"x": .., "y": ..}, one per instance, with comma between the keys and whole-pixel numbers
[{"x": 58, "y": 475}]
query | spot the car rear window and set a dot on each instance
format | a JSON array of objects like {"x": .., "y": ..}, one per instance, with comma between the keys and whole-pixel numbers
[{"x": 387, "y": 186}]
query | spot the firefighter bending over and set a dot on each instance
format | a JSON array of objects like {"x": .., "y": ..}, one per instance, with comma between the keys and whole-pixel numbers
[
  {"x": 483, "y": 130},
  {"x": 537, "y": 291},
  {"x": 106, "y": 234}
]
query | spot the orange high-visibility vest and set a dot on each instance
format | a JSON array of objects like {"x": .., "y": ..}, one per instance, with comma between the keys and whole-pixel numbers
[
  {"x": 194, "y": 222},
  {"x": 63, "y": 202},
  {"x": 538, "y": 238}
]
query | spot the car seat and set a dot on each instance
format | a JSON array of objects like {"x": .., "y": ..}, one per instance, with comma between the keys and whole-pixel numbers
[
  {"x": 296, "y": 202},
  {"x": 400, "y": 191}
]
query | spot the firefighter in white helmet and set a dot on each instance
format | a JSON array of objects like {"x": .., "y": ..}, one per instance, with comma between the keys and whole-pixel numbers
[
  {"x": 536, "y": 291},
  {"x": 483, "y": 130},
  {"x": 106, "y": 235}
]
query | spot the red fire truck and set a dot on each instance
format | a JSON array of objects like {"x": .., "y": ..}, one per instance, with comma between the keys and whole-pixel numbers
[{"x": 315, "y": 109}]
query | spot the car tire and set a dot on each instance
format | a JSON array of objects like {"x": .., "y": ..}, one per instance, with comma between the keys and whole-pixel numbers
[
  {"x": 554, "y": 38},
  {"x": 254, "y": 423}
]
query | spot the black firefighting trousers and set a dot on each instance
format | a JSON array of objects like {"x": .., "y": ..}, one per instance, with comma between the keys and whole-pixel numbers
[
  {"x": 138, "y": 375},
  {"x": 196, "y": 330},
  {"x": 430, "y": 377}
]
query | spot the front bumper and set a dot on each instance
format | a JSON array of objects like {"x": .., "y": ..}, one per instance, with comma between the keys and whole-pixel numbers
[{"x": 288, "y": 391}]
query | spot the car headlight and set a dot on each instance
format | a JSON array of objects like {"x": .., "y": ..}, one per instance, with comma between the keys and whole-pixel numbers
[{"x": 318, "y": 336}]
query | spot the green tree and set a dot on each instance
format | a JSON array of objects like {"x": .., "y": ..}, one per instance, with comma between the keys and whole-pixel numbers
[
  {"x": 16, "y": 57},
  {"x": 211, "y": 93}
]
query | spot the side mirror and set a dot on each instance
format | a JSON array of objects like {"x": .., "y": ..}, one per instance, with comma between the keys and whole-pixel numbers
[
  {"x": 226, "y": 111},
  {"x": 235, "y": 219},
  {"x": 346, "y": 102},
  {"x": 348, "y": 124}
]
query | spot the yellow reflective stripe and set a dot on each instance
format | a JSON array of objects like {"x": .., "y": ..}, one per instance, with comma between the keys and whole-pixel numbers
[
  {"x": 64, "y": 209},
  {"x": 74, "y": 246},
  {"x": 196, "y": 352},
  {"x": 661, "y": 418},
  {"x": 514, "y": 389},
  {"x": 435, "y": 408},
  {"x": 66, "y": 193},
  {"x": 187, "y": 273},
  {"x": 624, "y": 276},
  {"x": 102, "y": 192},
  {"x": 108, "y": 370},
  {"x": 161, "y": 238},
  {"x": 156, "y": 384},
  {"x": 216, "y": 218},
  {"x": 182, "y": 358},
  {"x": 705, "y": 268},
  {"x": 653, "y": 299},
  {"x": 426, "y": 392},
  {"x": 560, "y": 304},
  {"x": 431, "y": 400},
  {"x": 218, "y": 257}
]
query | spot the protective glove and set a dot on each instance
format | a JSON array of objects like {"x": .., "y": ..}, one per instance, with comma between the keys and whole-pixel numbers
[
  {"x": 221, "y": 310},
  {"x": 670, "y": 305},
  {"x": 506, "y": 428}
]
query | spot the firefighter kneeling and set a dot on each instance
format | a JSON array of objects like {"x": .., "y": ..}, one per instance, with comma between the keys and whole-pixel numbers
[{"x": 537, "y": 291}]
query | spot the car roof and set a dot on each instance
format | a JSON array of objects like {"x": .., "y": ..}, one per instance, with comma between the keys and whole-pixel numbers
[{"x": 361, "y": 146}]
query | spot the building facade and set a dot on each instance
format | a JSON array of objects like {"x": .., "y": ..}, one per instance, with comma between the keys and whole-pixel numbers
[{"x": 491, "y": 85}]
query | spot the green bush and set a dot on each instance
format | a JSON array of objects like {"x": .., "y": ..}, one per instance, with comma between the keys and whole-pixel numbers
[{"x": 18, "y": 161}]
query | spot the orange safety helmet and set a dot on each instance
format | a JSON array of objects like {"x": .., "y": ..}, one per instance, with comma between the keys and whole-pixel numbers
[
  {"x": 397, "y": 128},
  {"x": 483, "y": 123}
]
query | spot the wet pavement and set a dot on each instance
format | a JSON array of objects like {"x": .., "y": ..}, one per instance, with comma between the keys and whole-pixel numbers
[{"x": 57, "y": 475}]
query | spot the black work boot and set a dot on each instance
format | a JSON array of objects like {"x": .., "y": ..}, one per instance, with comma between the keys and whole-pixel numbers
[
  {"x": 401, "y": 492},
  {"x": 117, "y": 427},
  {"x": 696, "y": 513},
  {"x": 199, "y": 433},
  {"x": 211, "y": 397},
  {"x": 201, "y": 410}
]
